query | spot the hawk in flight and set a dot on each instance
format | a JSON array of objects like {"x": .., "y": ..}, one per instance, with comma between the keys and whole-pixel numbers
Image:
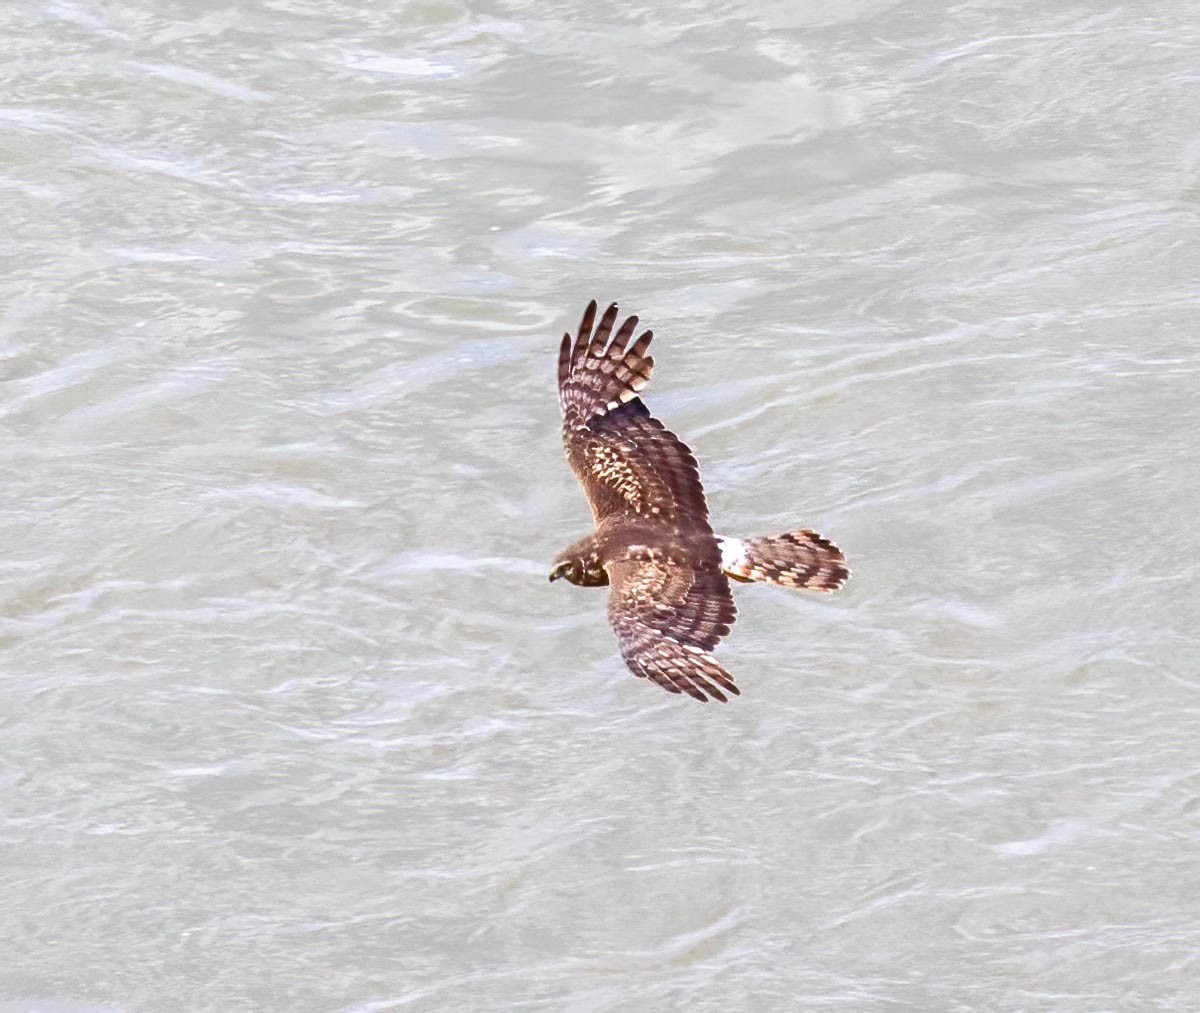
[{"x": 669, "y": 600}]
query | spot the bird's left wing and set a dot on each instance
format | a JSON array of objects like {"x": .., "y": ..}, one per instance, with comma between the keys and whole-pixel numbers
[{"x": 668, "y": 615}]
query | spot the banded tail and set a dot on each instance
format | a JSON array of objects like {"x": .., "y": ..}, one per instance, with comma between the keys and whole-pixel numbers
[{"x": 796, "y": 559}]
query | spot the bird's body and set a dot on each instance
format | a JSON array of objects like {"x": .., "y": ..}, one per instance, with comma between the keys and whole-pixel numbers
[{"x": 670, "y": 600}]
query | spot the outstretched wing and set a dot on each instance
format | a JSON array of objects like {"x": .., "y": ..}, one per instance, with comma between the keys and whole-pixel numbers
[
  {"x": 628, "y": 463},
  {"x": 668, "y": 616}
]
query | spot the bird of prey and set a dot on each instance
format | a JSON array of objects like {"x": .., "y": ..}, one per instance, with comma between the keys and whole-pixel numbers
[{"x": 669, "y": 600}]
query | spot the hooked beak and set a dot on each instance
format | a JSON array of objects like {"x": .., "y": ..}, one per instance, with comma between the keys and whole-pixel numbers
[{"x": 557, "y": 572}]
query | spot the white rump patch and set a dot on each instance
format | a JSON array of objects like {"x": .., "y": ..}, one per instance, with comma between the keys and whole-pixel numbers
[{"x": 733, "y": 553}]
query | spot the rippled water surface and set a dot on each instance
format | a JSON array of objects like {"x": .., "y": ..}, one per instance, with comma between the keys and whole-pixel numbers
[{"x": 292, "y": 719}]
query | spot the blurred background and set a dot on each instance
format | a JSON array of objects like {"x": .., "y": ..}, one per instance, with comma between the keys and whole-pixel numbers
[{"x": 292, "y": 719}]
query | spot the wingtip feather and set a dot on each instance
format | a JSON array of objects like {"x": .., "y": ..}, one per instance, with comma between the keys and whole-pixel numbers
[{"x": 597, "y": 375}]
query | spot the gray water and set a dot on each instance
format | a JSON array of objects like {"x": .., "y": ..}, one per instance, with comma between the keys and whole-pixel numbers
[{"x": 292, "y": 719}]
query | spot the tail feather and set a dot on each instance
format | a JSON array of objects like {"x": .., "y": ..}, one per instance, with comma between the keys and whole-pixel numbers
[
  {"x": 796, "y": 559},
  {"x": 596, "y": 375}
]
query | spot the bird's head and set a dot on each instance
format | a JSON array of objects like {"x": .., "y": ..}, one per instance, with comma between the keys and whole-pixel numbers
[
  {"x": 580, "y": 564},
  {"x": 567, "y": 567}
]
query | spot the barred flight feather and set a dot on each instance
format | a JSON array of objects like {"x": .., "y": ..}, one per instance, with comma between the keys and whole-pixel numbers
[{"x": 595, "y": 375}]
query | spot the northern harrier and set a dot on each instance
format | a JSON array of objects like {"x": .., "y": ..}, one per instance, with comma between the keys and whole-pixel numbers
[{"x": 670, "y": 601}]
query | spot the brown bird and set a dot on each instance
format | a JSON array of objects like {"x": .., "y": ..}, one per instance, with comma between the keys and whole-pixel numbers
[{"x": 670, "y": 601}]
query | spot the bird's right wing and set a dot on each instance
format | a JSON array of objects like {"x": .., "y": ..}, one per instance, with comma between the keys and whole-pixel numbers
[
  {"x": 668, "y": 616},
  {"x": 627, "y": 461}
]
